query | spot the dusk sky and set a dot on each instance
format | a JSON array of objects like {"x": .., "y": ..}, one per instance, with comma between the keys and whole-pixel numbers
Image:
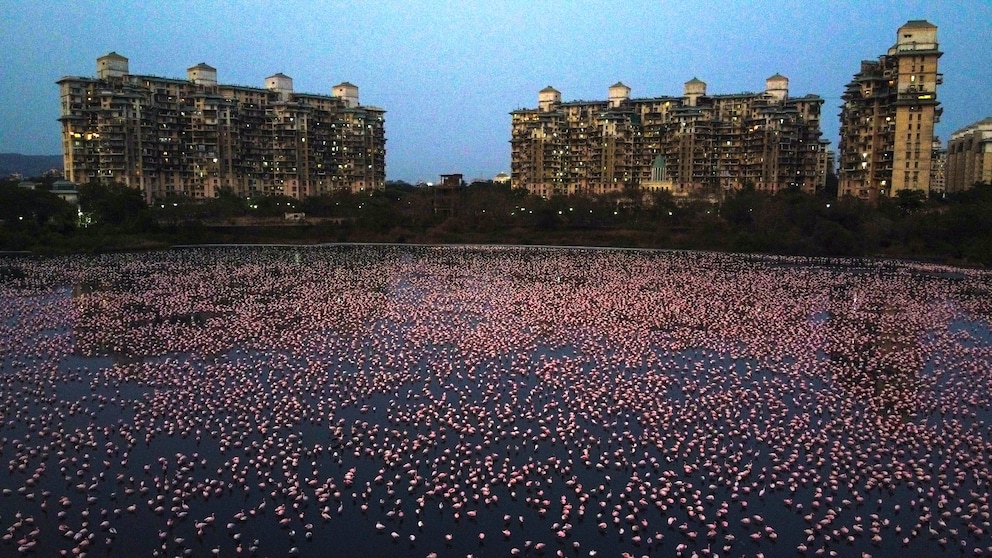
[{"x": 449, "y": 73}]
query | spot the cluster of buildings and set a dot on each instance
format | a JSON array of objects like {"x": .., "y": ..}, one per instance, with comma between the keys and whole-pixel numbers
[
  {"x": 195, "y": 136},
  {"x": 699, "y": 145}
]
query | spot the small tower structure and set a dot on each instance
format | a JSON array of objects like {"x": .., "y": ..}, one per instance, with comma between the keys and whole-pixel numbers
[
  {"x": 111, "y": 65},
  {"x": 280, "y": 83},
  {"x": 347, "y": 92},
  {"x": 618, "y": 93},
  {"x": 777, "y": 86},
  {"x": 548, "y": 98},
  {"x": 694, "y": 89},
  {"x": 202, "y": 74}
]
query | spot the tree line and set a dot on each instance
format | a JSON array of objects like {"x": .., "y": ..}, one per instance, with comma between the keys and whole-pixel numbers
[{"x": 955, "y": 228}]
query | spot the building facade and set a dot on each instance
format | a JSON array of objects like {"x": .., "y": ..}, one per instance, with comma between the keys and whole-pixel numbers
[
  {"x": 938, "y": 168},
  {"x": 194, "y": 137},
  {"x": 969, "y": 156},
  {"x": 693, "y": 145},
  {"x": 888, "y": 116}
]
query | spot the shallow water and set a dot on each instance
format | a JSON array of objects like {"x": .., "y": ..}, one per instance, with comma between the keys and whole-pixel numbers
[{"x": 276, "y": 401}]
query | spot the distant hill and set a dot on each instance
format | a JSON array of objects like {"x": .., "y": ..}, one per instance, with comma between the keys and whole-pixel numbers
[{"x": 28, "y": 165}]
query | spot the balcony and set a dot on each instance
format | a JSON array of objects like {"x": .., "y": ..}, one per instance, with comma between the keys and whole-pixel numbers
[
  {"x": 916, "y": 98},
  {"x": 916, "y": 47}
]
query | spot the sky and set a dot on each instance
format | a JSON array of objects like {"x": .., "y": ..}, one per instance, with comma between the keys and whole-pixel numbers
[{"x": 449, "y": 73}]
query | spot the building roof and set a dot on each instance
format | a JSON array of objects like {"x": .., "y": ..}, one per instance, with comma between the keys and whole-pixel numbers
[
  {"x": 63, "y": 186},
  {"x": 618, "y": 84},
  {"x": 778, "y": 76},
  {"x": 695, "y": 80},
  {"x": 742, "y": 95},
  {"x": 74, "y": 78},
  {"x": 665, "y": 98},
  {"x": 203, "y": 66},
  {"x": 972, "y": 127},
  {"x": 113, "y": 54},
  {"x": 279, "y": 75},
  {"x": 346, "y": 84},
  {"x": 920, "y": 24},
  {"x": 549, "y": 89},
  {"x": 584, "y": 103}
]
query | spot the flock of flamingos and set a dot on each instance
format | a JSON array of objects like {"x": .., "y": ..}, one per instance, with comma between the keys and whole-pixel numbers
[{"x": 483, "y": 401}]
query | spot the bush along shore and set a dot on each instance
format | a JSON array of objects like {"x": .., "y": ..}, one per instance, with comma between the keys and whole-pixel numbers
[{"x": 954, "y": 229}]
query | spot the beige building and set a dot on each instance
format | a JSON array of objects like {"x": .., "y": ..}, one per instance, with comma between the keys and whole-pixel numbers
[
  {"x": 888, "y": 117},
  {"x": 195, "y": 136},
  {"x": 693, "y": 145},
  {"x": 969, "y": 156}
]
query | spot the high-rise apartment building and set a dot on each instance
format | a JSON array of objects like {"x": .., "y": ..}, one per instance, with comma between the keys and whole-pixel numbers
[
  {"x": 969, "y": 156},
  {"x": 195, "y": 136},
  {"x": 693, "y": 145},
  {"x": 888, "y": 116}
]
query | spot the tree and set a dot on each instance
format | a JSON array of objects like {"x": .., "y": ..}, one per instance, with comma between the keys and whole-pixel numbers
[
  {"x": 738, "y": 208},
  {"x": 113, "y": 204},
  {"x": 30, "y": 218},
  {"x": 275, "y": 205},
  {"x": 226, "y": 204},
  {"x": 22, "y": 206},
  {"x": 831, "y": 187},
  {"x": 910, "y": 201}
]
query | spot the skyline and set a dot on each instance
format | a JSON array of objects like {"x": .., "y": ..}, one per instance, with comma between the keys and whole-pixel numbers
[{"x": 449, "y": 74}]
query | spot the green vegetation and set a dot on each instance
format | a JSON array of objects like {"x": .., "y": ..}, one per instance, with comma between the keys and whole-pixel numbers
[{"x": 956, "y": 229}]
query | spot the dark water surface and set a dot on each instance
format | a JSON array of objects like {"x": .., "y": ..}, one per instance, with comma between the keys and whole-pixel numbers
[{"x": 383, "y": 401}]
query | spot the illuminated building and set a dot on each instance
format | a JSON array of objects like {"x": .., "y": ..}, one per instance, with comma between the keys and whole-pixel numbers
[
  {"x": 694, "y": 145},
  {"x": 888, "y": 116},
  {"x": 194, "y": 137}
]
